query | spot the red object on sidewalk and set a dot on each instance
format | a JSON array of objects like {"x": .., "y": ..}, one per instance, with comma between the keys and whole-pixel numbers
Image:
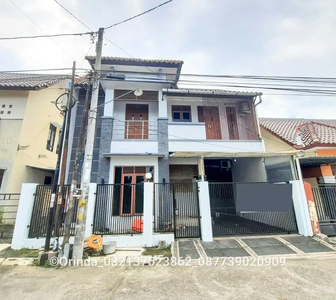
[{"x": 138, "y": 225}]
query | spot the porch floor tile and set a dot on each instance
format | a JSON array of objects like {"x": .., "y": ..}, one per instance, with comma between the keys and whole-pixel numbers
[
  {"x": 187, "y": 248},
  {"x": 295, "y": 240}
]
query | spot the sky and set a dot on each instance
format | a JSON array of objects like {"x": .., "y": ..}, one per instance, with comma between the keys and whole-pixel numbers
[{"x": 240, "y": 37}]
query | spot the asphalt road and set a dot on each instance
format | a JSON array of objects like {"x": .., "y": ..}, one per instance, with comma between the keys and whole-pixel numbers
[{"x": 298, "y": 279}]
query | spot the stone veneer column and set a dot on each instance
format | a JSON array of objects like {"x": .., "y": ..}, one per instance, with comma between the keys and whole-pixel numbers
[
  {"x": 163, "y": 148},
  {"x": 105, "y": 147}
]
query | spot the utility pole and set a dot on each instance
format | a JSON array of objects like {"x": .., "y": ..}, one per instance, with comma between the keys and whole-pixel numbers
[
  {"x": 76, "y": 170},
  {"x": 61, "y": 193},
  {"x": 90, "y": 137}
]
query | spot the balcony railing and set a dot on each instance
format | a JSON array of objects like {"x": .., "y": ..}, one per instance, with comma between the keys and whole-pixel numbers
[{"x": 134, "y": 130}]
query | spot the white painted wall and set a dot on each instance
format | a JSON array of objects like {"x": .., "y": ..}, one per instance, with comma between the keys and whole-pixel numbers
[
  {"x": 216, "y": 146},
  {"x": 134, "y": 146},
  {"x": 249, "y": 169},
  {"x": 183, "y": 160},
  {"x": 190, "y": 131},
  {"x": 205, "y": 211}
]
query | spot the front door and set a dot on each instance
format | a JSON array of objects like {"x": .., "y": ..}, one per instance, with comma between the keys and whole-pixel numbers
[
  {"x": 210, "y": 115},
  {"x": 132, "y": 194},
  {"x": 136, "y": 121}
]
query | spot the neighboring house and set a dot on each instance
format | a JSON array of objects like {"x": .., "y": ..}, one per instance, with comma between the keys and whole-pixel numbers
[
  {"x": 315, "y": 138},
  {"x": 316, "y": 142},
  {"x": 29, "y": 128}
]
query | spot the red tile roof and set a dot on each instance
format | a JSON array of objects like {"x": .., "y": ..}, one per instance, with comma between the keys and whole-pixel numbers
[{"x": 302, "y": 133}]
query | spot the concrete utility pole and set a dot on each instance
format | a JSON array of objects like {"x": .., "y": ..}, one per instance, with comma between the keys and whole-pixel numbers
[{"x": 90, "y": 137}]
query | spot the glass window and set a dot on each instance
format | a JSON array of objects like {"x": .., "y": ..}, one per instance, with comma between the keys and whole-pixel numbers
[
  {"x": 181, "y": 113},
  {"x": 1, "y": 176},
  {"x": 51, "y": 138}
]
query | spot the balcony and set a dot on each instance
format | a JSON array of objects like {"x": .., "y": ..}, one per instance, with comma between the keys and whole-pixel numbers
[{"x": 134, "y": 136}]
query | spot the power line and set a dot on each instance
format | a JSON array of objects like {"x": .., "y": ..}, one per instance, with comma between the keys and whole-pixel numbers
[
  {"x": 41, "y": 28},
  {"x": 46, "y": 36},
  {"x": 72, "y": 15},
  {"x": 138, "y": 15}
]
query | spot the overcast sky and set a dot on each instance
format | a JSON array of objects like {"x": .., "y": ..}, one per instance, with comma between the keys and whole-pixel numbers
[{"x": 234, "y": 37}]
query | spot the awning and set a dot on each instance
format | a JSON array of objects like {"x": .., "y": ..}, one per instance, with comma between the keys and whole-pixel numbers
[
  {"x": 133, "y": 154},
  {"x": 231, "y": 154},
  {"x": 317, "y": 161},
  {"x": 51, "y": 170}
]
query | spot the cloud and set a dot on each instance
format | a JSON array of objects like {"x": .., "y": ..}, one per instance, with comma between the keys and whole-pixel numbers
[{"x": 255, "y": 37}]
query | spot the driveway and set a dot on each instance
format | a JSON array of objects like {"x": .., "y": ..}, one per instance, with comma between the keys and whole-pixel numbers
[
  {"x": 297, "y": 279},
  {"x": 285, "y": 246}
]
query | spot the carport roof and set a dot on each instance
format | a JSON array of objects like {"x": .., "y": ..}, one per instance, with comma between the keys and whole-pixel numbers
[{"x": 230, "y": 154}]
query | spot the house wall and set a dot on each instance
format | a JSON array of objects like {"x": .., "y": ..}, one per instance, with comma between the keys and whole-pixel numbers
[
  {"x": 249, "y": 169},
  {"x": 272, "y": 143},
  {"x": 247, "y": 124},
  {"x": 39, "y": 113},
  {"x": 10, "y": 128}
]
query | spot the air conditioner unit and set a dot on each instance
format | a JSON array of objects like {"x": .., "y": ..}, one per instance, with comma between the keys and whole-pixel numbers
[
  {"x": 244, "y": 108},
  {"x": 225, "y": 164}
]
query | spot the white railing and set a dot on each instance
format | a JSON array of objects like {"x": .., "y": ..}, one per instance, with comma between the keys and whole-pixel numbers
[{"x": 134, "y": 130}]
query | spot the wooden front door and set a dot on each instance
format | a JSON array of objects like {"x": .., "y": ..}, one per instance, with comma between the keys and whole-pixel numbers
[
  {"x": 136, "y": 121},
  {"x": 132, "y": 194},
  {"x": 210, "y": 115},
  {"x": 231, "y": 116}
]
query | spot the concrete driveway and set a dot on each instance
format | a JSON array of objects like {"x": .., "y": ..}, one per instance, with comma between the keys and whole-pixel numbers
[
  {"x": 298, "y": 279},
  {"x": 277, "y": 245}
]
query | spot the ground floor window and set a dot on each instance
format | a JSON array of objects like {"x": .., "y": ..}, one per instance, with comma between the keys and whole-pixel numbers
[{"x": 128, "y": 191}]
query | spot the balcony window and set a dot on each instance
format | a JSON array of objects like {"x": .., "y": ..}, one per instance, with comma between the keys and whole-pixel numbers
[
  {"x": 181, "y": 113},
  {"x": 51, "y": 138}
]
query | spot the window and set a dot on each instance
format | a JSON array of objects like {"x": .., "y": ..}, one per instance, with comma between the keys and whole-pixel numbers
[
  {"x": 1, "y": 176},
  {"x": 181, "y": 113},
  {"x": 47, "y": 179},
  {"x": 59, "y": 141},
  {"x": 10, "y": 105},
  {"x": 3, "y": 105},
  {"x": 1, "y": 112},
  {"x": 51, "y": 138},
  {"x": 8, "y": 112}
]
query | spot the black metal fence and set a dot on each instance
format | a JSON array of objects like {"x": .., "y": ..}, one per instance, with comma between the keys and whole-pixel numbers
[
  {"x": 39, "y": 219},
  {"x": 227, "y": 220},
  {"x": 8, "y": 207},
  {"x": 325, "y": 202},
  {"x": 176, "y": 209},
  {"x": 118, "y": 209}
]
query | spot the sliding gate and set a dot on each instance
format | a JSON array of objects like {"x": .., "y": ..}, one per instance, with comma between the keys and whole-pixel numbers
[
  {"x": 176, "y": 209},
  {"x": 251, "y": 208}
]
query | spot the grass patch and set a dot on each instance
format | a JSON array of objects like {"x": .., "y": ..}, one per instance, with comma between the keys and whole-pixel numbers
[
  {"x": 154, "y": 251},
  {"x": 24, "y": 252}
]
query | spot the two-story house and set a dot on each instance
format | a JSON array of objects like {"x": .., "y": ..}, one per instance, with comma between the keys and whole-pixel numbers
[{"x": 146, "y": 124}]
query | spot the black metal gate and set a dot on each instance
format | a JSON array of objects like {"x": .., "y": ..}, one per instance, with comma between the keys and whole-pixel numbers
[
  {"x": 228, "y": 220},
  {"x": 176, "y": 209},
  {"x": 325, "y": 201},
  {"x": 39, "y": 220},
  {"x": 118, "y": 209}
]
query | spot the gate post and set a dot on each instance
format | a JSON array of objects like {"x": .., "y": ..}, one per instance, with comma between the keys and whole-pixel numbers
[
  {"x": 148, "y": 215},
  {"x": 24, "y": 215},
  {"x": 90, "y": 209},
  {"x": 205, "y": 211}
]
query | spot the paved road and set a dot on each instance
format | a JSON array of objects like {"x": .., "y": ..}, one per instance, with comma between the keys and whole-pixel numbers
[{"x": 298, "y": 279}]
